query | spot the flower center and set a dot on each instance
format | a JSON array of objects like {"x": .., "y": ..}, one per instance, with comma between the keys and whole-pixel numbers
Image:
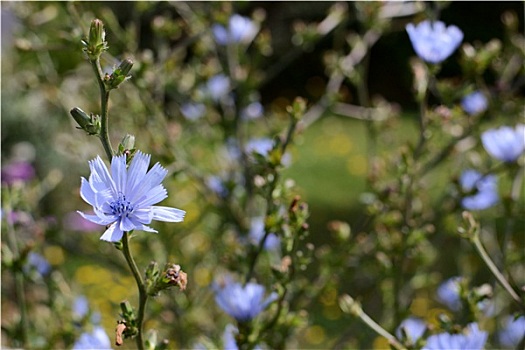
[{"x": 121, "y": 206}]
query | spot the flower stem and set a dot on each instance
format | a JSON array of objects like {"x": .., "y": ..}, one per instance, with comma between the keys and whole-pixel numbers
[
  {"x": 495, "y": 271},
  {"x": 143, "y": 297},
  {"x": 104, "y": 100}
]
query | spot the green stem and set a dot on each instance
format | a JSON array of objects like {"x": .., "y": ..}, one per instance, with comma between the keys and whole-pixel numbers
[
  {"x": 495, "y": 271},
  {"x": 19, "y": 277},
  {"x": 104, "y": 100},
  {"x": 143, "y": 297}
]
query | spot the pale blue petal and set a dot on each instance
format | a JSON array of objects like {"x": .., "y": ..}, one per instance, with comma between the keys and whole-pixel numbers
[
  {"x": 153, "y": 196},
  {"x": 126, "y": 224},
  {"x": 100, "y": 175},
  {"x": 108, "y": 218},
  {"x": 119, "y": 173},
  {"x": 113, "y": 233},
  {"x": 137, "y": 170},
  {"x": 104, "y": 197},
  {"x": 143, "y": 216},
  {"x": 86, "y": 192},
  {"x": 93, "y": 218},
  {"x": 152, "y": 179},
  {"x": 167, "y": 214}
]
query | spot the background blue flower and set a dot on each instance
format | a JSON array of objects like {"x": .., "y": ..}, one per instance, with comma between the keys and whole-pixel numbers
[
  {"x": 474, "y": 103},
  {"x": 505, "y": 143},
  {"x": 485, "y": 187},
  {"x": 433, "y": 41}
]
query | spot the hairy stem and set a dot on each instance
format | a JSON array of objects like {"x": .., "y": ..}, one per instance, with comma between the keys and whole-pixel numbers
[{"x": 143, "y": 297}]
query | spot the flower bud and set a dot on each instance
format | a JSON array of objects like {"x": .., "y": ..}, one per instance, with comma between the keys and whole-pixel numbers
[
  {"x": 96, "y": 43},
  {"x": 90, "y": 124},
  {"x": 119, "y": 75},
  {"x": 127, "y": 146}
]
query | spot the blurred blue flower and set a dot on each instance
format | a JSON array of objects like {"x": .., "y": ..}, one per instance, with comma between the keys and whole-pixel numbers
[
  {"x": 80, "y": 307},
  {"x": 228, "y": 338},
  {"x": 448, "y": 293},
  {"x": 253, "y": 111},
  {"x": 38, "y": 263},
  {"x": 486, "y": 188},
  {"x": 414, "y": 328},
  {"x": 240, "y": 30},
  {"x": 215, "y": 184},
  {"x": 433, "y": 41},
  {"x": 256, "y": 234},
  {"x": 513, "y": 331},
  {"x": 262, "y": 146},
  {"x": 218, "y": 86},
  {"x": 474, "y": 103},
  {"x": 242, "y": 302},
  {"x": 124, "y": 200},
  {"x": 96, "y": 339},
  {"x": 472, "y": 338},
  {"x": 505, "y": 144},
  {"x": 193, "y": 111},
  {"x": 19, "y": 171}
]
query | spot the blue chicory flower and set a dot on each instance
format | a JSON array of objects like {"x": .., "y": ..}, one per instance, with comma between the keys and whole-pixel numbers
[
  {"x": 242, "y": 302},
  {"x": 512, "y": 332},
  {"x": 505, "y": 144},
  {"x": 256, "y": 234},
  {"x": 228, "y": 338},
  {"x": 193, "y": 111},
  {"x": 413, "y": 327},
  {"x": 218, "y": 87},
  {"x": 486, "y": 186},
  {"x": 433, "y": 41},
  {"x": 472, "y": 338},
  {"x": 448, "y": 293},
  {"x": 96, "y": 339},
  {"x": 474, "y": 103},
  {"x": 240, "y": 30},
  {"x": 37, "y": 262},
  {"x": 262, "y": 146},
  {"x": 124, "y": 200}
]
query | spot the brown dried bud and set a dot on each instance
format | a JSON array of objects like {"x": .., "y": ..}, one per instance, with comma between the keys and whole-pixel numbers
[
  {"x": 119, "y": 331},
  {"x": 176, "y": 276}
]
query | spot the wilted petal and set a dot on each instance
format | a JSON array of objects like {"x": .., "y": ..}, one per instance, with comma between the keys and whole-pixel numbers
[{"x": 167, "y": 214}]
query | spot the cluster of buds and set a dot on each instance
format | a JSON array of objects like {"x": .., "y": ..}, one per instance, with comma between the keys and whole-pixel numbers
[
  {"x": 127, "y": 326},
  {"x": 157, "y": 281},
  {"x": 90, "y": 124}
]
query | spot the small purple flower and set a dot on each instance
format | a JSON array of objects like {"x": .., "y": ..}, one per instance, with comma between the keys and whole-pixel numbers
[
  {"x": 433, "y": 41},
  {"x": 474, "y": 103},
  {"x": 472, "y": 338},
  {"x": 193, "y": 111},
  {"x": 218, "y": 87},
  {"x": 256, "y": 234},
  {"x": 37, "y": 262},
  {"x": 240, "y": 30},
  {"x": 486, "y": 188},
  {"x": 96, "y": 339},
  {"x": 73, "y": 222},
  {"x": 124, "y": 200},
  {"x": 242, "y": 302},
  {"x": 17, "y": 172},
  {"x": 413, "y": 327},
  {"x": 448, "y": 293},
  {"x": 505, "y": 144},
  {"x": 513, "y": 332}
]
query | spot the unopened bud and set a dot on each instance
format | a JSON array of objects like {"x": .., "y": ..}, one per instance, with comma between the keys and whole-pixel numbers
[
  {"x": 96, "y": 42},
  {"x": 119, "y": 75},
  {"x": 90, "y": 124}
]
